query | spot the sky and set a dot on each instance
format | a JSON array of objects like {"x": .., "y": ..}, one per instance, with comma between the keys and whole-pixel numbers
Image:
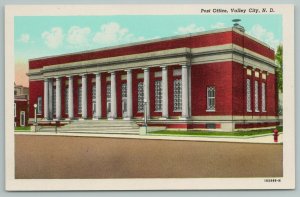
[{"x": 38, "y": 36}]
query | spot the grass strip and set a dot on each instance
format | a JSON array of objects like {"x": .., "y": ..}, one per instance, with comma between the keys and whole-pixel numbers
[{"x": 216, "y": 133}]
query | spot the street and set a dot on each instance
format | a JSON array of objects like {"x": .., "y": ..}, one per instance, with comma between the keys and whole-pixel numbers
[{"x": 66, "y": 157}]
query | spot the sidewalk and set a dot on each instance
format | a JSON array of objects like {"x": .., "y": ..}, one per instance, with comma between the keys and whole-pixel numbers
[{"x": 265, "y": 139}]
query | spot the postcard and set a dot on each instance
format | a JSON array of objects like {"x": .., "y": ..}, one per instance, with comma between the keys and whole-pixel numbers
[{"x": 149, "y": 97}]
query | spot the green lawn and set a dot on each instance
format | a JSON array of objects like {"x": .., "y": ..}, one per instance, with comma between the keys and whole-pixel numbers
[
  {"x": 216, "y": 133},
  {"x": 27, "y": 128}
]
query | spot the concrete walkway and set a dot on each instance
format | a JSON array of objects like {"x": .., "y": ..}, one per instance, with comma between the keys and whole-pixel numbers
[{"x": 265, "y": 138}]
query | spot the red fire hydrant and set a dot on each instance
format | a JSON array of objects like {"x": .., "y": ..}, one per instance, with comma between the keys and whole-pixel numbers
[{"x": 275, "y": 135}]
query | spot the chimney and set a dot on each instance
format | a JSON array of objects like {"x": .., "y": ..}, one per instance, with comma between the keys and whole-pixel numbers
[{"x": 237, "y": 25}]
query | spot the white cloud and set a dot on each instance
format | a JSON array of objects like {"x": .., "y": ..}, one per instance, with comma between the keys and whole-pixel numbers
[
  {"x": 189, "y": 29},
  {"x": 112, "y": 32},
  {"x": 53, "y": 38},
  {"x": 218, "y": 25},
  {"x": 78, "y": 36},
  {"x": 25, "y": 38},
  {"x": 264, "y": 35}
]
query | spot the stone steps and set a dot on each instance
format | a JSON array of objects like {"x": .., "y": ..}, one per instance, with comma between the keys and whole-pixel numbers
[{"x": 97, "y": 126}]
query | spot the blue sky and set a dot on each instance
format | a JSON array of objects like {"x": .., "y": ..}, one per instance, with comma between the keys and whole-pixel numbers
[{"x": 38, "y": 36}]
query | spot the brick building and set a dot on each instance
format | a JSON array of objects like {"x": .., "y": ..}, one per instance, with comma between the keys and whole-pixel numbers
[
  {"x": 21, "y": 105},
  {"x": 222, "y": 79}
]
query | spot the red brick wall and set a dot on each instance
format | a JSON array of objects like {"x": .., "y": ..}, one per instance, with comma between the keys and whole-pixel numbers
[
  {"x": 238, "y": 89},
  {"x": 212, "y": 74},
  {"x": 255, "y": 125},
  {"x": 271, "y": 94},
  {"x": 190, "y": 42},
  {"x": 196, "y": 41},
  {"x": 239, "y": 92},
  {"x": 36, "y": 89},
  {"x": 252, "y": 45},
  {"x": 63, "y": 97},
  {"x": 90, "y": 78}
]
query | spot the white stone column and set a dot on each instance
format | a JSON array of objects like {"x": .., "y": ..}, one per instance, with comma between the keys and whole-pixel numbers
[
  {"x": 50, "y": 98},
  {"x": 129, "y": 94},
  {"x": 46, "y": 100},
  {"x": 70, "y": 99},
  {"x": 84, "y": 96},
  {"x": 58, "y": 98},
  {"x": 185, "y": 92},
  {"x": 165, "y": 97},
  {"x": 98, "y": 96},
  {"x": 113, "y": 96},
  {"x": 146, "y": 90}
]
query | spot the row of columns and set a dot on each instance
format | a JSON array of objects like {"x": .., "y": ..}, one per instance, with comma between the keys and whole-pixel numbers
[{"x": 113, "y": 115}]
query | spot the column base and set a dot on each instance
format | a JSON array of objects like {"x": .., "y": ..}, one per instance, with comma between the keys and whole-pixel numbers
[
  {"x": 96, "y": 118},
  {"x": 111, "y": 118},
  {"x": 184, "y": 118},
  {"x": 80, "y": 119},
  {"x": 56, "y": 119},
  {"x": 127, "y": 118},
  {"x": 163, "y": 118}
]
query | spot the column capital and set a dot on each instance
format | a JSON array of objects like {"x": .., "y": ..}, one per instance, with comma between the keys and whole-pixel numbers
[
  {"x": 69, "y": 76},
  {"x": 164, "y": 66},
  {"x": 128, "y": 70},
  {"x": 97, "y": 73},
  {"x": 146, "y": 69},
  {"x": 112, "y": 72},
  {"x": 185, "y": 65},
  {"x": 57, "y": 78},
  {"x": 83, "y": 75}
]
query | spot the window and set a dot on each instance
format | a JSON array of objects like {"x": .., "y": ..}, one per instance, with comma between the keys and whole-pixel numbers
[
  {"x": 15, "y": 109},
  {"x": 124, "y": 90},
  {"x": 158, "y": 96},
  {"x": 67, "y": 100},
  {"x": 211, "y": 98},
  {"x": 108, "y": 97},
  {"x": 177, "y": 95},
  {"x": 94, "y": 99},
  {"x": 256, "y": 96},
  {"x": 39, "y": 105},
  {"x": 80, "y": 100},
  {"x": 54, "y": 101},
  {"x": 140, "y": 97},
  {"x": 248, "y": 95},
  {"x": 124, "y": 97},
  {"x": 263, "y": 97}
]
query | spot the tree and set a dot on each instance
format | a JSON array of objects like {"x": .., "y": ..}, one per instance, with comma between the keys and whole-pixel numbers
[{"x": 278, "y": 61}]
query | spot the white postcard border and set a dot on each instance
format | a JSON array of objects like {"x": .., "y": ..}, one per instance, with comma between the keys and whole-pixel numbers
[{"x": 12, "y": 184}]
